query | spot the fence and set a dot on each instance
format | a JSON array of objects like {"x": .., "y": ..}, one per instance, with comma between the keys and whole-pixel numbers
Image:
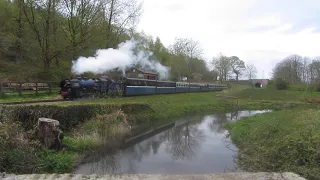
[{"x": 27, "y": 88}]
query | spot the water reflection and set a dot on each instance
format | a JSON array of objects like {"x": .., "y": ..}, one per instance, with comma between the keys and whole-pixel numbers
[
  {"x": 183, "y": 141},
  {"x": 198, "y": 145}
]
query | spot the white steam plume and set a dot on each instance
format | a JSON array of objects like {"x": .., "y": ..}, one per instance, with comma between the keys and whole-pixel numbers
[{"x": 123, "y": 58}]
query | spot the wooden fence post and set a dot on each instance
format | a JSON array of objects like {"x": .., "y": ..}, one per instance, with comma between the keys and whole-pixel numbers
[
  {"x": 50, "y": 91},
  {"x": 36, "y": 89},
  {"x": 20, "y": 89}
]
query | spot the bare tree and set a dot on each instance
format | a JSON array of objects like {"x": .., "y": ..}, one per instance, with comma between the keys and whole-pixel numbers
[
  {"x": 223, "y": 65},
  {"x": 290, "y": 69},
  {"x": 19, "y": 20},
  {"x": 250, "y": 71},
  {"x": 42, "y": 26},
  {"x": 314, "y": 69},
  {"x": 237, "y": 66},
  {"x": 81, "y": 16},
  {"x": 305, "y": 71},
  {"x": 186, "y": 47},
  {"x": 121, "y": 16},
  {"x": 190, "y": 50}
]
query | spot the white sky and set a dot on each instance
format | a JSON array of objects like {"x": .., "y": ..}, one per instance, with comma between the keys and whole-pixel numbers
[{"x": 261, "y": 32}]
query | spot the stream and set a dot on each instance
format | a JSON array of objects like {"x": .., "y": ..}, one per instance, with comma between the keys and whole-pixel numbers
[{"x": 194, "y": 145}]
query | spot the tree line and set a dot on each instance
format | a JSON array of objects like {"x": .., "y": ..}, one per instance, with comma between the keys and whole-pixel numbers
[
  {"x": 228, "y": 67},
  {"x": 298, "y": 69},
  {"x": 39, "y": 39}
]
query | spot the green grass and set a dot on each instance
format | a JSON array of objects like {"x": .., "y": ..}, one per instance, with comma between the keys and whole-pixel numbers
[
  {"x": 279, "y": 141},
  {"x": 165, "y": 106},
  {"x": 30, "y": 96}
]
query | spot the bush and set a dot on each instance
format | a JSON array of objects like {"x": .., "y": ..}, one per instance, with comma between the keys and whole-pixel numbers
[
  {"x": 68, "y": 116},
  {"x": 281, "y": 84},
  {"x": 56, "y": 161},
  {"x": 317, "y": 86},
  {"x": 102, "y": 129}
]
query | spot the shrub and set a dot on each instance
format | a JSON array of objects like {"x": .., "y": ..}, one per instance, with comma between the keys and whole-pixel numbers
[
  {"x": 102, "y": 129},
  {"x": 281, "y": 84},
  {"x": 56, "y": 162},
  {"x": 68, "y": 116},
  {"x": 317, "y": 86}
]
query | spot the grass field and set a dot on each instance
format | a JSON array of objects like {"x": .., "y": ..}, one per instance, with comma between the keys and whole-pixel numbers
[{"x": 29, "y": 95}]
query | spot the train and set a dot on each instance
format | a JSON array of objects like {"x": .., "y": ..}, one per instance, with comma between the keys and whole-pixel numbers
[{"x": 80, "y": 87}]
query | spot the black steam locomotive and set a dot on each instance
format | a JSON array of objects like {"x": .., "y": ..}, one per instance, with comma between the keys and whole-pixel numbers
[{"x": 80, "y": 87}]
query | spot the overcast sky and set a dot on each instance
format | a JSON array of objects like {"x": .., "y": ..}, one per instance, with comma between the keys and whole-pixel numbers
[{"x": 261, "y": 32}]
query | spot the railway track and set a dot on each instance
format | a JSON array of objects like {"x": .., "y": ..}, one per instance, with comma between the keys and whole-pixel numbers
[{"x": 34, "y": 102}]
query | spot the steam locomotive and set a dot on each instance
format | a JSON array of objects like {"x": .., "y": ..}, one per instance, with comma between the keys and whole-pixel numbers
[{"x": 81, "y": 87}]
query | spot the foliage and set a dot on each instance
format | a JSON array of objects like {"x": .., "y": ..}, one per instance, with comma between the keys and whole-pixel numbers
[
  {"x": 317, "y": 86},
  {"x": 250, "y": 71},
  {"x": 56, "y": 161},
  {"x": 17, "y": 150},
  {"x": 68, "y": 116},
  {"x": 281, "y": 84},
  {"x": 225, "y": 66},
  {"x": 281, "y": 141},
  {"x": 100, "y": 130},
  {"x": 298, "y": 69},
  {"x": 40, "y": 39}
]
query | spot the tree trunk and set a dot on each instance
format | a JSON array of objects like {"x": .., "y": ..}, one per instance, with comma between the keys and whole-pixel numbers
[
  {"x": 54, "y": 29},
  {"x": 46, "y": 63},
  {"x": 109, "y": 24},
  {"x": 19, "y": 35}
]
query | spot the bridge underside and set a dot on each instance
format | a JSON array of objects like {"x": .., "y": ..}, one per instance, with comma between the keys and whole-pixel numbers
[{"x": 259, "y": 83}]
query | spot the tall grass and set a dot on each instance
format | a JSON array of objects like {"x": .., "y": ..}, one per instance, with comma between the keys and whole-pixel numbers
[
  {"x": 100, "y": 131},
  {"x": 17, "y": 150}
]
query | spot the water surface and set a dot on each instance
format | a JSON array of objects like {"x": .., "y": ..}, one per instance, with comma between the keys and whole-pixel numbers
[{"x": 195, "y": 145}]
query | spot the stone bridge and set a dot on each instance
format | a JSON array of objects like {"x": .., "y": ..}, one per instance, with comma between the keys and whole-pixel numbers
[{"x": 259, "y": 83}]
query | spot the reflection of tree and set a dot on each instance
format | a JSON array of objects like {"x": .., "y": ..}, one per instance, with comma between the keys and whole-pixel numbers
[
  {"x": 155, "y": 146},
  {"x": 216, "y": 124},
  {"x": 108, "y": 164},
  {"x": 232, "y": 116},
  {"x": 183, "y": 140},
  {"x": 124, "y": 161}
]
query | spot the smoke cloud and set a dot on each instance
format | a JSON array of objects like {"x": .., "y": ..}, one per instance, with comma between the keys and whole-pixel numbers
[{"x": 124, "y": 57}]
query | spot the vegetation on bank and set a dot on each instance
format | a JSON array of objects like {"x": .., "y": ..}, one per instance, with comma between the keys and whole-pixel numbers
[
  {"x": 281, "y": 141},
  {"x": 286, "y": 140},
  {"x": 29, "y": 97}
]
